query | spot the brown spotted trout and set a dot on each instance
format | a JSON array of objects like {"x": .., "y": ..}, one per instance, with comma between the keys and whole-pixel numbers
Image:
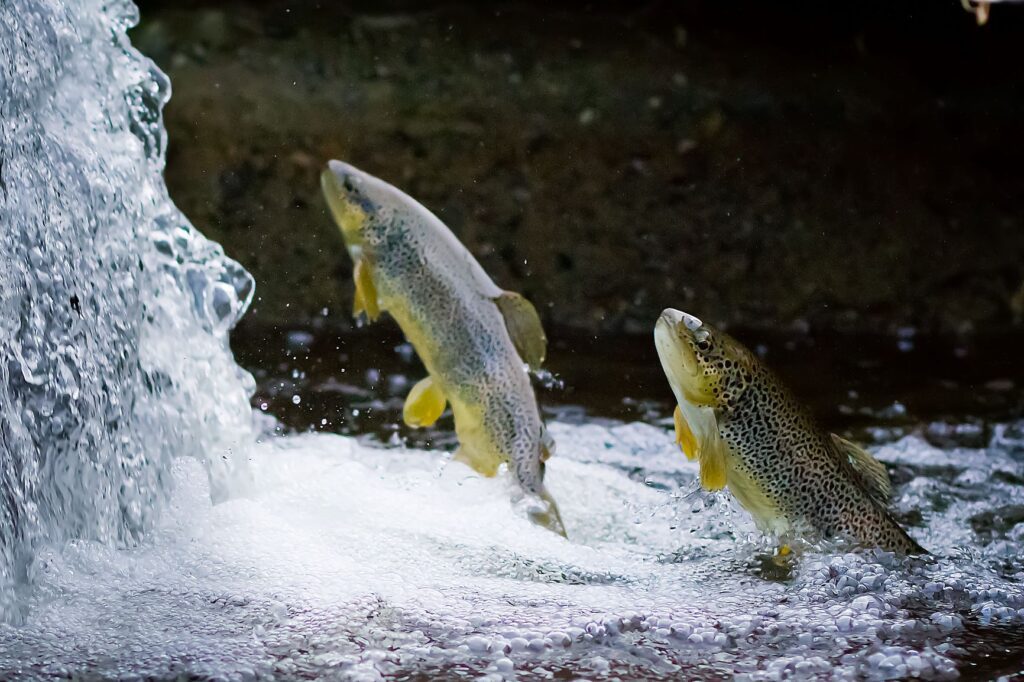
[
  {"x": 477, "y": 341},
  {"x": 750, "y": 434}
]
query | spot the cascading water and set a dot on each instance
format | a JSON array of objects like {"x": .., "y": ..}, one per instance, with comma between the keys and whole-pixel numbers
[
  {"x": 114, "y": 311},
  {"x": 352, "y": 561}
]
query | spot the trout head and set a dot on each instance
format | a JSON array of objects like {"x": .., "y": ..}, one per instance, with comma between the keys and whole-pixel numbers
[
  {"x": 705, "y": 367},
  {"x": 358, "y": 202}
]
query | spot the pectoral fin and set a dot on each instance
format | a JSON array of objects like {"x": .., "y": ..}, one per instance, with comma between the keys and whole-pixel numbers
[
  {"x": 871, "y": 472},
  {"x": 424, "y": 404},
  {"x": 684, "y": 436},
  {"x": 713, "y": 462},
  {"x": 706, "y": 442},
  {"x": 366, "y": 293},
  {"x": 485, "y": 464},
  {"x": 524, "y": 327}
]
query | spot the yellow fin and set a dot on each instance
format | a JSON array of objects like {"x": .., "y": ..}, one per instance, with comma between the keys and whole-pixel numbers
[
  {"x": 713, "y": 462},
  {"x": 871, "y": 472},
  {"x": 684, "y": 436},
  {"x": 485, "y": 464},
  {"x": 424, "y": 404},
  {"x": 366, "y": 293},
  {"x": 524, "y": 327}
]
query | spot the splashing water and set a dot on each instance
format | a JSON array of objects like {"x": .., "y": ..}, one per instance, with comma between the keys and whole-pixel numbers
[
  {"x": 113, "y": 309},
  {"x": 357, "y": 562},
  {"x": 350, "y": 561}
]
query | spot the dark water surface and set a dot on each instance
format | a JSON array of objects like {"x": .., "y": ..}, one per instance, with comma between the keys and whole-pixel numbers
[{"x": 354, "y": 381}]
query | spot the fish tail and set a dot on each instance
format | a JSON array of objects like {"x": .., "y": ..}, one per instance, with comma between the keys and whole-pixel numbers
[
  {"x": 900, "y": 540},
  {"x": 549, "y": 517}
]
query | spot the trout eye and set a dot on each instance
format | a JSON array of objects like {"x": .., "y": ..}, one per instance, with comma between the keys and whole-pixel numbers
[{"x": 702, "y": 339}]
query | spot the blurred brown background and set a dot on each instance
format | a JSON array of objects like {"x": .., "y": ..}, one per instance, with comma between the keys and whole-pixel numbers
[{"x": 848, "y": 166}]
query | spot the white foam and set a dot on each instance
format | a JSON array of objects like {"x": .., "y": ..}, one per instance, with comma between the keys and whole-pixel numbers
[{"x": 359, "y": 562}]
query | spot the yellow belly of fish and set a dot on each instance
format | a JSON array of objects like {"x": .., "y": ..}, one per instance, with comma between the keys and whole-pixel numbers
[
  {"x": 752, "y": 498},
  {"x": 476, "y": 443}
]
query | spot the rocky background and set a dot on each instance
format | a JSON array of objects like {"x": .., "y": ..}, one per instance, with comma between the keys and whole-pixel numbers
[{"x": 775, "y": 165}]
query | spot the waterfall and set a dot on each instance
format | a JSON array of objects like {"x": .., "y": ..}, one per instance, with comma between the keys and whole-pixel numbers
[{"x": 114, "y": 309}]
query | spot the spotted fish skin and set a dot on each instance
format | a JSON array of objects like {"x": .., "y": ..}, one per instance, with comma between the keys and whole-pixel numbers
[
  {"x": 798, "y": 467},
  {"x": 474, "y": 339},
  {"x": 461, "y": 338},
  {"x": 787, "y": 472}
]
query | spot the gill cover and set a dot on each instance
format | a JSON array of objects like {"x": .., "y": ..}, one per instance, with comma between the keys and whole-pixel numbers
[{"x": 349, "y": 216}]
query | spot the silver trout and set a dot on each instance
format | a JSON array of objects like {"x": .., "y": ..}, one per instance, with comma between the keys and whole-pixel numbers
[
  {"x": 750, "y": 435},
  {"x": 477, "y": 341}
]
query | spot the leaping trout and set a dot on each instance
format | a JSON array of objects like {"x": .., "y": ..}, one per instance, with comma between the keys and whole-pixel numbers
[
  {"x": 476, "y": 340},
  {"x": 750, "y": 434}
]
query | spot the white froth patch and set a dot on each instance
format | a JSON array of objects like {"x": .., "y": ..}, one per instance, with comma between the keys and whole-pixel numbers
[{"x": 359, "y": 562}]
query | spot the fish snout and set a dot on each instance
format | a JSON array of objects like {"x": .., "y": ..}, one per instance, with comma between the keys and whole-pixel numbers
[
  {"x": 362, "y": 190},
  {"x": 348, "y": 177},
  {"x": 674, "y": 317},
  {"x": 671, "y": 334},
  {"x": 670, "y": 317},
  {"x": 345, "y": 190}
]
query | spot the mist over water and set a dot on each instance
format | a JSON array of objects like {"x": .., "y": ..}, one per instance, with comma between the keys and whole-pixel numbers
[
  {"x": 113, "y": 309},
  {"x": 147, "y": 529}
]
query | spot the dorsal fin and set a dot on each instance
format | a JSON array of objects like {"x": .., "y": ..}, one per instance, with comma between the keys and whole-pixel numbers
[
  {"x": 871, "y": 472},
  {"x": 524, "y": 328}
]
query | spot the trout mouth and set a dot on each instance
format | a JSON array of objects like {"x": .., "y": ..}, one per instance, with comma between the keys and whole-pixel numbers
[
  {"x": 674, "y": 338},
  {"x": 677, "y": 356}
]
